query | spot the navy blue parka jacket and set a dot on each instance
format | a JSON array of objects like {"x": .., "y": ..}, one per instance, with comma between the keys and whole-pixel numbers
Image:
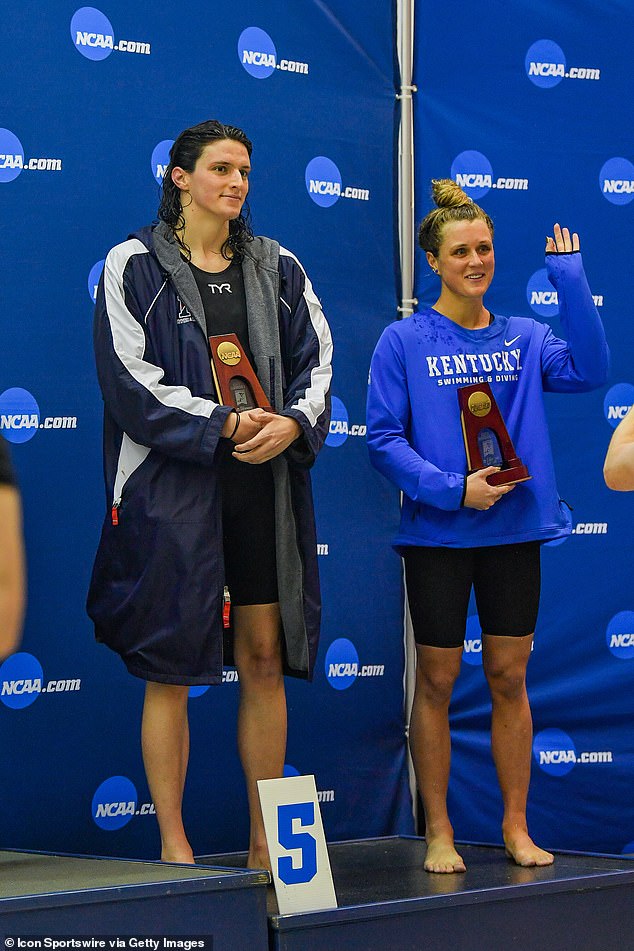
[{"x": 156, "y": 593}]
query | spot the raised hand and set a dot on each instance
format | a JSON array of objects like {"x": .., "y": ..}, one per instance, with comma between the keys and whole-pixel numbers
[{"x": 562, "y": 243}]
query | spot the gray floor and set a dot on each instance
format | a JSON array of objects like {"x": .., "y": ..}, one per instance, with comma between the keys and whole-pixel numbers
[{"x": 26, "y": 873}]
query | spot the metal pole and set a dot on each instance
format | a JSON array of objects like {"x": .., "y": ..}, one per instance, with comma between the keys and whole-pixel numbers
[{"x": 405, "y": 30}]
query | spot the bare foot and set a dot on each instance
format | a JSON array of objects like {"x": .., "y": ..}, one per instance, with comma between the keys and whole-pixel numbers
[
  {"x": 183, "y": 856},
  {"x": 259, "y": 858},
  {"x": 521, "y": 848},
  {"x": 442, "y": 857}
]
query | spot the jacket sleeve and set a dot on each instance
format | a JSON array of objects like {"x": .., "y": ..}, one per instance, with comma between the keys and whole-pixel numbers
[
  {"x": 582, "y": 361},
  {"x": 388, "y": 422},
  {"x": 163, "y": 417},
  {"x": 307, "y": 350}
]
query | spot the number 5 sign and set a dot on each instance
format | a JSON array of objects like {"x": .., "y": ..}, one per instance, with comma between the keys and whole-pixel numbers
[{"x": 297, "y": 845}]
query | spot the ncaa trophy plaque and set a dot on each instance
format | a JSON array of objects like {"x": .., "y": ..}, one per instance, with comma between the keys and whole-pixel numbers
[
  {"x": 235, "y": 379},
  {"x": 485, "y": 437}
]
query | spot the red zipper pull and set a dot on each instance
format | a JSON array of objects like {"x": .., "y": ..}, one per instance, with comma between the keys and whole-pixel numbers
[
  {"x": 114, "y": 512},
  {"x": 226, "y": 608}
]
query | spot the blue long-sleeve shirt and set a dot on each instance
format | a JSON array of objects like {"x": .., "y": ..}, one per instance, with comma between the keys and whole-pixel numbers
[{"x": 414, "y": 433}]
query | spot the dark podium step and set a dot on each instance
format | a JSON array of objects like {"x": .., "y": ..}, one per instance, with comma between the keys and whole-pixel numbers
[
  {"x": 388, "y": 902},
  {"x": 47, "y": 895}
]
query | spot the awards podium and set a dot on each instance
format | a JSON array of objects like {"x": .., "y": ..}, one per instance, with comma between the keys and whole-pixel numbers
[{"x": 386, "y": 900}]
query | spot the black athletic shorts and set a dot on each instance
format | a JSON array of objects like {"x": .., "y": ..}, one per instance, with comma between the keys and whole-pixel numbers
[
  {"x": 506, "y": 582},
  {"x": 248, "y": 521}
]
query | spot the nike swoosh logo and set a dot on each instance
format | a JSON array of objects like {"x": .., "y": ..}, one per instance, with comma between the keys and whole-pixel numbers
[{"x": 507, "y": 343}]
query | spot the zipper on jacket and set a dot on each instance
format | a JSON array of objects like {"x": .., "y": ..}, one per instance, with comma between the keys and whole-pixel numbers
[
  {"x": 226, "y": 608},
  {"x": 114, "y": 512},
  {"x": 272, "y": 381}
]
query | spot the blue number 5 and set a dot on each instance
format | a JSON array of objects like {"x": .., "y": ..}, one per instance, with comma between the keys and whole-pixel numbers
[{"x": 307, "y": 869}]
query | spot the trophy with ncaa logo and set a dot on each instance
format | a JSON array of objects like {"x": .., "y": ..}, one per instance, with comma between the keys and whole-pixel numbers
[
  {"x": 485, "y": 437},
  {"x": 234, "y": 377}
]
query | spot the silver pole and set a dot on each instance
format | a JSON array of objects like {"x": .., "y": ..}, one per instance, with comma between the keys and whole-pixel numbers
[{"x": 405, "y": 29}]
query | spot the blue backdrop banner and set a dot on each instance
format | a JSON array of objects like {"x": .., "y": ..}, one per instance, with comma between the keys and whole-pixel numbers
[
  {"x": 93, "y": 100},
  {"x": 526, "y": 108}
]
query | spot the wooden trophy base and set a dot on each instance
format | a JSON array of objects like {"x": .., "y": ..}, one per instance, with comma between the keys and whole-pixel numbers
[{"x": 516, "y": 472}]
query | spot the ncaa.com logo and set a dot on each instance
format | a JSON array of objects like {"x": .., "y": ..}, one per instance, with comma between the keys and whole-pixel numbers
[
  {"x": 20, "y": 416},
  {"x": 93, "y": 279},
  {"x": 619, "y": 635},
  {"x": 13, "y": 162},
  {"x": 323, "y": 795},
  {"x": 542, "y": 296},
  {"x": 581, "y": 528},
  {"x": 342, "y": 665},
  {"x": 472, "y": 649},
  {"x": 22, "y": 681},
  {"x": 556, "y": 753},
  {"x": 161, "y": 159},
  {"x": 325, "y": 185},
  {"x": 340, "y": 427},
  {"x": 93, "y": 36},
  {"x": 229, "y": 676},
  {"x": 474, "y": 173},
  {"x": 616, "y": 181},
  {"x": 545, "y": 64},
  {"x": 590, "y": 528},
  {"x": 258, "y": 55},
  {"x": 618, "y": 402},
  {"x": 115, "y": 803}
]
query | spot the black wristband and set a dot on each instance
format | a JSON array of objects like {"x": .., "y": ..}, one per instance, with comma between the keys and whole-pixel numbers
[{"x": 235, "y": 428}]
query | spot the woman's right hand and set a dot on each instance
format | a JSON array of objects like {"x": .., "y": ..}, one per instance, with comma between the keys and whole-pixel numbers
[
  {"x": 250, "y": 424},
  {"x": 480, "y": 495}
]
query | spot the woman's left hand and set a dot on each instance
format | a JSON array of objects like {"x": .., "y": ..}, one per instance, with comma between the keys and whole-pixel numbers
[
  {"x": 562, "y": 243},
  {"x": 276, "y": 435}
]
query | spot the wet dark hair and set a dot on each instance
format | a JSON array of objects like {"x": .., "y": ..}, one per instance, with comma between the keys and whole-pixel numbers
[
  {"x": 453, "y": 205},
  {"x": 184, "y": 154}
]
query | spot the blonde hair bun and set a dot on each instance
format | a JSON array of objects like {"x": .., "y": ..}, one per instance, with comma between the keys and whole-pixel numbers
[
  {"x": 453, "y": 205},
  {"x": 447, "y": 194}
]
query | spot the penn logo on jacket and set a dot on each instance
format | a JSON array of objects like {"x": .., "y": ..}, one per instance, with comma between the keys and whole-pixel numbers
[
  {"x": 185, "y": 316},
  {"x": 462, "y": 369}
]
